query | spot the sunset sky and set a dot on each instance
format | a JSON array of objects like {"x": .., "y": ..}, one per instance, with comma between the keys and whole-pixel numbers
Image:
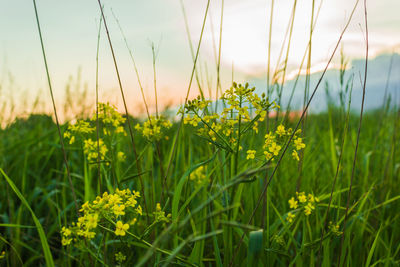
[{"x": 70, "y": 29}]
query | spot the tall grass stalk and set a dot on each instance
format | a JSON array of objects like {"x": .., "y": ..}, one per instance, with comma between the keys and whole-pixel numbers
[
  {"x": 191, "y": 48},
  {"x": 97, "y": 108},
  {"x": 174, "y": 145},
  {"x": 126, "y": 108},
  {"x": 358, "y": 132},
  {"x": 134, "y": 66},
  {"x": 288, "y": 106},
  {"x": 338, "y": 167},
  {"x": 218, "y": 87},
  {"x": 281, "y": 86},
  {"x": 54, "y": 107},
  {"x": 306, "y": 96}
]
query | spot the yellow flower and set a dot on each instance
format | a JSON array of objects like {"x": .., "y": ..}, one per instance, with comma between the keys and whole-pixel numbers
[
  {"x": 255, "y": 127},
  {"x": 280, "y": 130},
  {"x": 85, "y": 207},
  {"x": 159, "y": 215},
  {"x": 295, "y": 155},
  {"x": 88, "y": 234},
  {"x": 298, "y": 142},
  {"x": 135, "y": 193},
  {"x": 308, "y": 209},
  {"x": 293, "y": 203},
  {"x": 108, "y": 114},
  {"x": 269, "y": 138},
  {"x": 92, "y": 220},
  {"x": 158, "y": 207},
  {"x": 65, "y": 231},
  {"x": 302, "y": 197},
  {"x": 274, "y": 149},
  {"x": 81, "y": 221},
  {"x": 131, "y": 201},
  {"x": 114, "y": 199},
  {"x": 121, "y": 193},
  {"x": 81, "y": 126},
  {"x": 72, "y": 140},
  {"x": 262, "y": 115},
  {"x": 67, "y": 134},
  {"x": 251, "y": 154},
  {"x": 121, "y": 156},
  {"x": 66, "y": 241},
  {"x": 120, "y": 129},
  {"x": 119, "y": 210},
  {"x": 268, "y": 155},
  {"x": 90, "y": 149},
  {"x": 199, "y": 175},
  {"x": 121, "y": 228},
  {"x": 153, "y": 128},
  {"x": 290, "y": 217},
  {"x": 106, "y": 131},
  {"x": 139, "y": 210}
]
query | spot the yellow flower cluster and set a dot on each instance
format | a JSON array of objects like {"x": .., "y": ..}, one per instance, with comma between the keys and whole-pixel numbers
[
  {"x": 105, "y": 210},
  {"x": 199, "y": 175},
  {"x": 251, "y": 154},
  {"x": 239, "y": 103},
  {"x": 111, "y": 122},
  {"x": 108, "y": 114},
  {"x": 290, "y": 217},
  {"x": 80, "y": 127},
  {"x": 159, "y": 215},
  {"x": 275, "y": 140},
  {"x": 224, "y": 129},
  {"x": 90, "y": 149},
  {"x": 154, "y": 128},
  {"x": 303, "y": 202},
  {"x": 121, "y": 156},
  {"x": 2, "y": 255}
]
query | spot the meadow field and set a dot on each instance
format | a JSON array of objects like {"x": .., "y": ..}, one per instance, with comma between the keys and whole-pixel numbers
[{"x": 243, "y": 178}]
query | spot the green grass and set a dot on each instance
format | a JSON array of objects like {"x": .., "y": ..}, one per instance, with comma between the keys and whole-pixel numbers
[
  {"x": 208, "y": 221},
  {"x": 227, "y": 220}
]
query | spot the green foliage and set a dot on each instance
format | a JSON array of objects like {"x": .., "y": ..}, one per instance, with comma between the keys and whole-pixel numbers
[{"x": 209, "y": 201}]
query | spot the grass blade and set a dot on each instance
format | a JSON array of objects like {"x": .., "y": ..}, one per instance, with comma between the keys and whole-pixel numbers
[{"x": 43, "y": 239}]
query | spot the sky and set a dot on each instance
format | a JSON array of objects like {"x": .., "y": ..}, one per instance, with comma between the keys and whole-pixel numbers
[{"x": 70, "y": 30}]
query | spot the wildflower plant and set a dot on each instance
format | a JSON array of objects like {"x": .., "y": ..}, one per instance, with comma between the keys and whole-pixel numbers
[
  {"x": 198, "y": 176},
  {"x": 242, "y": 113},
  {"x": 117, "y": 215},
  {"x": 117, "y": 211},
  {"x": 111, "y": 129},
  {"x": 225, "y": 129},
  {"x": 153, "y": 129},
  {"x": 302, "y": 203}
]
